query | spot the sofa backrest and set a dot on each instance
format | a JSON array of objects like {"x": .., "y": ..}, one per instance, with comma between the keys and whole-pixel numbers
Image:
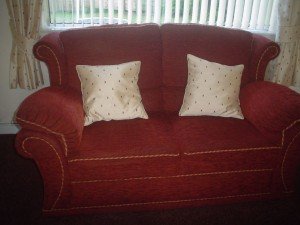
[
  {"x": 109, "y": 45},
  {"x": 224, "y": 46}
]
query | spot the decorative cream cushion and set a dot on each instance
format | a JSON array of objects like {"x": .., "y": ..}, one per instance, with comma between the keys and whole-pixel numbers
[
  {"x": 212, "y": 89},
  {"x": 111, "y": 92}
]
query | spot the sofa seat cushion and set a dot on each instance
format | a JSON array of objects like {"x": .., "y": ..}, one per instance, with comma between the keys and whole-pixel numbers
[
  {"x": 143, "y": 182},
  {"x": 215, "y": 144},
  {"x": 126, "y": 149}
]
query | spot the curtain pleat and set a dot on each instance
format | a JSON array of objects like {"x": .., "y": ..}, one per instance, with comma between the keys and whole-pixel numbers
[{"x": 25, "y": 16}]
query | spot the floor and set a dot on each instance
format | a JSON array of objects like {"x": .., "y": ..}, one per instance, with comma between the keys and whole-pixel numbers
[{"x": 21, "y": 193}]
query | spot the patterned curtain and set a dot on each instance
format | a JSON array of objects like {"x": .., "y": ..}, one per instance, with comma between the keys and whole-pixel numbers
[
  {"x": 25, "y": 70},
  {"x": 285, "y": 69}
]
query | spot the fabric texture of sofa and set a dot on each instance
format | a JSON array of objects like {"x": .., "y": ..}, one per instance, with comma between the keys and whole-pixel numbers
[{"x": 165, "y": 161}]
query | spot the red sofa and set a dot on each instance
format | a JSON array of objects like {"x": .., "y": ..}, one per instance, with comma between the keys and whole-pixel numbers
[{"x": 166, "y": 161}]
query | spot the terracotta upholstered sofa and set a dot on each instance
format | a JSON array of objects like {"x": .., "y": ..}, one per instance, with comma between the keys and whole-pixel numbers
[{"x": 165, "y": 161}]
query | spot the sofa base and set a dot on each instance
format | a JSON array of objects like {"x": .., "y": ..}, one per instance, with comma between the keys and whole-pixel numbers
[
  {"x": 169, "y": 192},
  {"x": 163, "y": 205}
]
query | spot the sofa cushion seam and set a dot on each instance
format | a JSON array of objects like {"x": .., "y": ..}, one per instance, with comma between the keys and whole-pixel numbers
[
  {"x": 123, "y": 157},
  {"x": 171, "y": 155},
  {"x": 231, "y": 150},
  {"x": 175, "y": 176}
]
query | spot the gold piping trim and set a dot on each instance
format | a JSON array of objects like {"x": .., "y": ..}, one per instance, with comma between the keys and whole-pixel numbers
[
  {"x": 230, "y": 150},
  {"x": 166, "y": 155},
  {"x": 47, "y": 129},
  {"x": 125, "y": 157},
  {"x": 58, "y": 65},
  {"x": 288, "y": 127},
  {"x": 159, "y": 202},
  {"x": 176, "y": 176},
  {"x": 285, "y": 154},
  {"x": 283, "y": 161},
  {"x": 24, "y": 150},
  {"x": 61, "y": 166},
  {"x": 262, "y": 55}
]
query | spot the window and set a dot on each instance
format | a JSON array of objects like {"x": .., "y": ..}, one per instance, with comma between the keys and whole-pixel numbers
[{"x": 256, "y": 15}]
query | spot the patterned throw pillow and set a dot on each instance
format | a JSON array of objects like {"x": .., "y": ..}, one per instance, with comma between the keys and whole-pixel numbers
[
  {"x": 111, "y": 92},
  {"x": 212, "y": 89}
]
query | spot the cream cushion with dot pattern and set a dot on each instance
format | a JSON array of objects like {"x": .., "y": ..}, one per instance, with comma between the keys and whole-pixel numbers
[
  {"x": 111, "y": 92},
  {"x": 212, "y": 89}
]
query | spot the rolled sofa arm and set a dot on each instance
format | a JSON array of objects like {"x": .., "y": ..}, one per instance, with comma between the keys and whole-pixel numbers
[
  {"x": 275, "y": 111},
  {"x": 270, "y": 107},
  {"x": 47, "y": 152},
  {"x": 49, "y": 49},
  {"x": 56, "y": 111},
  {"x": 263, "y": 50}
]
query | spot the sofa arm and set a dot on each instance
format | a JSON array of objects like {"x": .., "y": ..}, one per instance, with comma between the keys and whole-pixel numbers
[
  {"x": 263, "y": 51},
  {"x": 270, "y": 107},
  {"x": 56, "y": 111},
  {"x": 49, "y": 49},
  {"x": 48, "y": 154}
]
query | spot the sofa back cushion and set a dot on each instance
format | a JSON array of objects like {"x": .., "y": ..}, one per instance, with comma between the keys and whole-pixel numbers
[
  {"x": 215, "y": 44},
  {"x": 111, "y": 45}
]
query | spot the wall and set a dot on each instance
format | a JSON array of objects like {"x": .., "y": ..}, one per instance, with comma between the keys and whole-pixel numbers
[{"x": 9, "y": 98}]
